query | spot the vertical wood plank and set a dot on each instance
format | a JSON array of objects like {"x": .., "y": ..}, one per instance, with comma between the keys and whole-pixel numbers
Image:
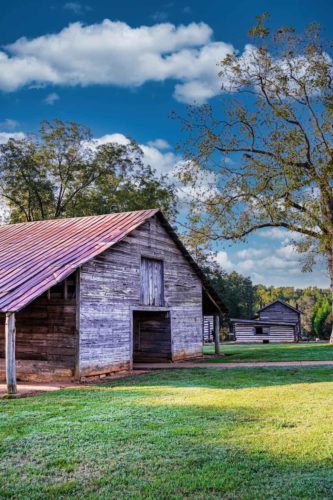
[
  {"x": 217, "y": 333},
  {"x": 152, "y": 282},
  {"x": 10, "y": 334}
]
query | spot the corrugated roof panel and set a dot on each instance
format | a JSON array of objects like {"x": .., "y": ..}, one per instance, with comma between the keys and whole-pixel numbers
[{"x": 34, "y": 256}]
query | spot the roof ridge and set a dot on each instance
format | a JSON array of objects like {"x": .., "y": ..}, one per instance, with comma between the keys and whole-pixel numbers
[
  {"x": 62, "y": 219},
  {"x": 282, "y": 302}
]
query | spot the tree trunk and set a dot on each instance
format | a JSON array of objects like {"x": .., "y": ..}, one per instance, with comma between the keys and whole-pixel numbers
[{"x": 330, "y": 271}]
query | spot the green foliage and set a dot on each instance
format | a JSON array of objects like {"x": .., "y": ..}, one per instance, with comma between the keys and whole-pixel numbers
[
  {"x": 63, "y": 172},
  {"x": 320, "y": 314},
  {"x": 260, "y": 29},
  {"x": 238, "y": 293},
  {"x": 236, "y": 290},
  {"x": 328, "y": 326},
  {"x": 269, "y": 145}
]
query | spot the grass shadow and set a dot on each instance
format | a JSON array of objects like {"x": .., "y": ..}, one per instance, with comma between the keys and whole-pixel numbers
[{"x": 172, "y": 435}]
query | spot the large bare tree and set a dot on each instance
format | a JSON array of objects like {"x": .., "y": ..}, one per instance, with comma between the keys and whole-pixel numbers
[{"x": 270, "y": 145}]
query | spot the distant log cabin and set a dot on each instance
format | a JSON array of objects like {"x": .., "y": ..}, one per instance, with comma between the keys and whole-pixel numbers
[
  {"x": 89, "y": 296},
  {"x": 276, "y": 322}
]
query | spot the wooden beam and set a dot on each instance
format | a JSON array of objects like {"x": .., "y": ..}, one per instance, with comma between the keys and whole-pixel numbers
[
  {"x": 217, "y": 333},
  {"x": 10, "y": 354}
]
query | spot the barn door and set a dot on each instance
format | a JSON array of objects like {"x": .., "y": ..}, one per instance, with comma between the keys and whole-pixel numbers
[
  {"x": 152, "y": 282},
  {"x": 151, "y": 337}
]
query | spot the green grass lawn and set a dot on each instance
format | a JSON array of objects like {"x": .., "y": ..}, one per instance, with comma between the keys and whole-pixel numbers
[
  {"x": 259, "y": 433},
  {"x": 234, "y": 353}
]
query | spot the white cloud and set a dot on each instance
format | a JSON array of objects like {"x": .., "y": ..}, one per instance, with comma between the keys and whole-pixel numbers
[
  {"x": 244, "y": 266},
  {"x": 159, "y": 144},
  {"x": 117, "y": 138},
  {"x": 9, "y": 124},
  {"x": 77, "y": 8},
  {"x": 288, "y": 252},
  {"x": 5, "y": 136},
  {"x": 268, "y": 258},
  {"x": 248, "y": 253},
  {"x": 51, "y": 98},
  {"x": 167, "y": 163},
  {"x": 114, "y": 53},
  {"x": 273, "y": 265},
  {"x": 162, "y": 162},
  {"x": 274, "y": 233},
  {"x": 224, "y": 261}
]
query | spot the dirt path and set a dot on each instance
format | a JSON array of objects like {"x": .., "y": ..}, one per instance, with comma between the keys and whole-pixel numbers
[{"x": 31, "y": 388}]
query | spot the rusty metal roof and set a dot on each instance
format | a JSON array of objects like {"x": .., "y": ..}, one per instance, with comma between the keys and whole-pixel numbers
[
  {"x": 260, "y": 322},
  {"x": 34, "y": 256}
]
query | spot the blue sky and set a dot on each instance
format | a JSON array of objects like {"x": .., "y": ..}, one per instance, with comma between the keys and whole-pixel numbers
[{"x": 123, "y": 67}]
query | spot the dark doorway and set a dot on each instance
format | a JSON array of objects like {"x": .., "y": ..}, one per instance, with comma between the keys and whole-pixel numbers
[{"x": 151, "y": 337}]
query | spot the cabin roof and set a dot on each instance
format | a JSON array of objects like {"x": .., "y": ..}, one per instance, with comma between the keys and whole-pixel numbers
[
  {"x": 260, "y": 322},
  {"x": 281, "y": 302},
  {"x": 34, "y": 256}
]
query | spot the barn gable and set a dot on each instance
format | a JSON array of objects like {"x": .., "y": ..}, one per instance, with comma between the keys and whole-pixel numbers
[
  {"x": 278, "y": 303},
  {"x": 280, "y": 311}
]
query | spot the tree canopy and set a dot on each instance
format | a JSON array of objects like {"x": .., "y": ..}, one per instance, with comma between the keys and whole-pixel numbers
[
  {"x": 63, "y": 172},
  {"x": 270, "y": 144}
]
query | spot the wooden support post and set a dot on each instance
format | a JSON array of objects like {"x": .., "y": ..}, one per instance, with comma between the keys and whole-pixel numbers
[
  {"x": 217, "y": 333},
  {"x": 10, "y": 354},
  {"x": 77, "y": 371}
]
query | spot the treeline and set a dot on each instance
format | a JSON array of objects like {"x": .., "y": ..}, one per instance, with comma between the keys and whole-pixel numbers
[{"x": 243, "y": 299}]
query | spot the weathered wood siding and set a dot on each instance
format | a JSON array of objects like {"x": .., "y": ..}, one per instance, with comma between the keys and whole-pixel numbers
[
  {"x": 45, "y": 332},
  {"x": 279, "y": 312},
  {"x": 110, "y": 289},
  {"x": 277, "y": 333},
  {"x": 208, "y": 329}
]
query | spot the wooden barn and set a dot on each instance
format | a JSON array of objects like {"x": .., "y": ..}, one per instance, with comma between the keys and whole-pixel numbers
[
  {"x": 276, "y": 322},
  {"x": 93, "y": 295}
]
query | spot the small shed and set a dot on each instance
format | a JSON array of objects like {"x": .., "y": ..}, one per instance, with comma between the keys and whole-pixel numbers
[
  {"x": 278, "y": 310},
  {"x": 276, "y": 322},
  {"x": 256, "y": 331},
  {"x": 93, "y": 295}
]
